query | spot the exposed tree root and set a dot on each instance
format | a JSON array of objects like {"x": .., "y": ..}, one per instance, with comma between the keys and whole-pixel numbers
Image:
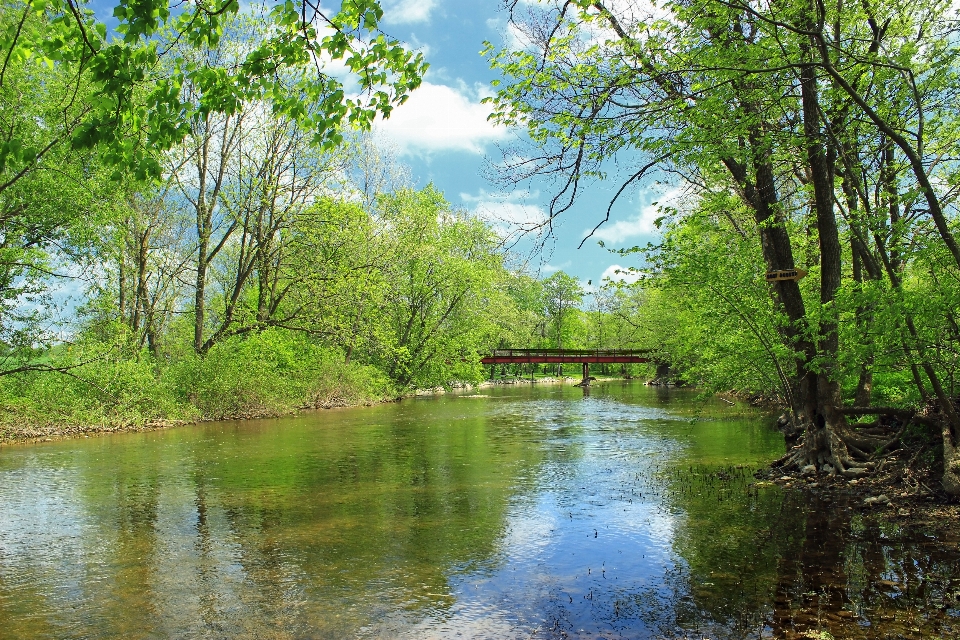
[
  {"x": 832, "y": 446},
  {"x": 836, "y": 447}
]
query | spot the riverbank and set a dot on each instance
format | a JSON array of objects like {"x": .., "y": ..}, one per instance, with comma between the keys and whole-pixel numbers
[
  {"x": 51, "y": 432},
  {"x": 903, "y": 488},
  {"x": 250, "y": 381},
  {"x": 18, "y": 428}
]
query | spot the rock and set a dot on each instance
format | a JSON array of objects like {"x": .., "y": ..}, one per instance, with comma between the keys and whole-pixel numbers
[
  {"x": 855, "y": 472},
  {"x": 828, "y": 469},
  {"x": 809, "y": 470},
  {"x": 876, "y": 500},
  {"x": 951, "y": 482},
  {"x": 883, "y": 499},
  {"x": 813, "y": 484},
  {"x": 785, "y": 478},
  {"x": 903, "y": 513}
]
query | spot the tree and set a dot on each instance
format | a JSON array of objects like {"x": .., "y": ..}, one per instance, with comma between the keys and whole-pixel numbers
[
  {"x": 747, "y": 100},
  {"x": 137, "y": 71},
  {"x": 443, "y": 296},
  {"x": 562, "y": 296},
  {"x": 53, "y": 200},
  {"x": 87, "y": 112}
]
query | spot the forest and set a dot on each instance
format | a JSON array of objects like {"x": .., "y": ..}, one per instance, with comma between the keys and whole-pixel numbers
[{"x": 198, "y": 224}]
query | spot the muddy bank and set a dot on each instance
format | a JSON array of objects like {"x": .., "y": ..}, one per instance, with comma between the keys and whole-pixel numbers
[{"x": 898, "y": 490}]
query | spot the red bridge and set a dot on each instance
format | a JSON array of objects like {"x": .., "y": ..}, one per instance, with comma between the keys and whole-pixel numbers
[{"x": 565, "y": 356}]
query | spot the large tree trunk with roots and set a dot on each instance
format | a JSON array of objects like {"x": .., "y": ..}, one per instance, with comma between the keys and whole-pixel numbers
[
  {"x": 828, "y": 438},
  {"x": 829, "y": 443},
  {"x": 951, "y": 461},
  {"x": 950, "y": 430}
]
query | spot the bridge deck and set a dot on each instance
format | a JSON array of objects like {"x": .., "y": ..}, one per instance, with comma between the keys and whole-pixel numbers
[{"x": 563, "y": 356}]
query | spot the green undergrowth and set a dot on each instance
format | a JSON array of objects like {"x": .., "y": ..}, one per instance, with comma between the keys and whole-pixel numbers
[{"x": 267, "y": 374}]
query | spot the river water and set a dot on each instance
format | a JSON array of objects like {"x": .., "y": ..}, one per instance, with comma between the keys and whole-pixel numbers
[{"x": 523, "y": 512}]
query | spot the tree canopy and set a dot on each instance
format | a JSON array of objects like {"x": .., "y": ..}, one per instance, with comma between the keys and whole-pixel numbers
[{"x": 137, "y": 68}]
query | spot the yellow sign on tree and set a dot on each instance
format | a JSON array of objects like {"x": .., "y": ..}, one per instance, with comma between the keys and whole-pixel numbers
[{"x": 785, "y": 274}]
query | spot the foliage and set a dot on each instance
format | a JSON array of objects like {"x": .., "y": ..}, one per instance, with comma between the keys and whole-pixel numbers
[
  {"x": 137, "y": 71},
  {"x": 562, "y": 296},
  {"x": 266, "y": 374},
  {"x": 815, "y": 137},
  {"x": 441, "y": 309}
]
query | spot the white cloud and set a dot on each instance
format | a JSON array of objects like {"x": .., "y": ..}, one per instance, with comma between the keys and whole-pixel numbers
[
  {"x": 617, "y": 273},
  {"x": 621, "y": 230},
  {"x": 512, "y": 35},
  {"x": 639, "y": 225},
  {"x": 547, "y": 269},
  {"x": 441, "y": 118},
  {"x": 509, "y": 212},
  {"x": 516, "y": 40},
  {"x": 408, "y": 11}
]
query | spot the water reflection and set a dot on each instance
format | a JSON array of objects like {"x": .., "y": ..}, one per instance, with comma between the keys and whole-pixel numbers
[{"x": 508, "y": 513}]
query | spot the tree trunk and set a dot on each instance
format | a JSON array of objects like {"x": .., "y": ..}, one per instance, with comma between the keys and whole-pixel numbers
[
  {"x": 951, "y": 461},
  {"x": 827, "y": 437},
  {"x": 949, "y": 431},
  {"x": 123, "y": 284},
  {"x": 201, "y": 284},
  {"x": 864, "y": 318},
  {"x": 760, "y": 194}
]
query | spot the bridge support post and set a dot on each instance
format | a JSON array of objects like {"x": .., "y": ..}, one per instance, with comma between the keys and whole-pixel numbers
[{"x": 586, "y": 374}]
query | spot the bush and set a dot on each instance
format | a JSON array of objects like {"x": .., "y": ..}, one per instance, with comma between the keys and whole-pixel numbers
[
  {"x": 271, "y": 373},
  {"x": 264, "y": 374}
]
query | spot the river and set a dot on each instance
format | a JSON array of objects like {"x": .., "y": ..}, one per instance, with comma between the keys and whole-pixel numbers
[{"x": 512, "y": 512}]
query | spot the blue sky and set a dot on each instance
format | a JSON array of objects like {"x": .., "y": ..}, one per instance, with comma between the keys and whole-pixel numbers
[{"x": 442, "y": 133}]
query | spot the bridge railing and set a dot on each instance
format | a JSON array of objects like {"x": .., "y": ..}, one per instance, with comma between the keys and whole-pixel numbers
[{"x": 509, "y": 353}]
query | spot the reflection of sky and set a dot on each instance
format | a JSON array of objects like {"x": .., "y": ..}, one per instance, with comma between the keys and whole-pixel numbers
[
  {"x": 591, "y": 533},
  {"x": 41, "y": 521},
  {"x": 93, "y": 530}
]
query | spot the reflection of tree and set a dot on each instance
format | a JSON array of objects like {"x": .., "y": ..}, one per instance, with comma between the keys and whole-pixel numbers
[
  {"x": 129, "y": 519},
  {"x": 731, "y": 540},
  {"x": 863, "y": 577},
  {"x": 792, "y": 563},
  {"x": 359, "y": 523},
  {"x": 331, "y": 526},
  {"x": 309, "y": 528}
]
